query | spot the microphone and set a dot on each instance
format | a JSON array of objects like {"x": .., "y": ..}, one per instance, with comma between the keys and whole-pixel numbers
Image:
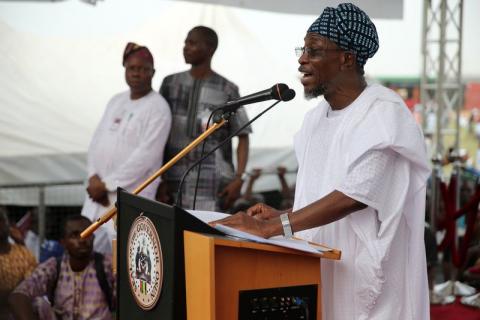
[
  {"x": 279, "y": 91},
  {"x": 287, "y": 95}
]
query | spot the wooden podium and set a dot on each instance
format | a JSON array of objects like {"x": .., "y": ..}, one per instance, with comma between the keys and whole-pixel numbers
[
  {"x": 217, "y": 269},
  {"x": 207, "y": 275}
]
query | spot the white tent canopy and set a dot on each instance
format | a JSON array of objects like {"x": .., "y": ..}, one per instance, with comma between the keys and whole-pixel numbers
[
  {"x": 61, "y": 62},
  {"x": 386, "y": 9}
]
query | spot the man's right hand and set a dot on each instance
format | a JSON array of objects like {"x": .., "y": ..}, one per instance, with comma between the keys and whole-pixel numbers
[
  {"x": 263, "y": 212},
  {"x": 163, "y": 193},
  {"x": 97, "y": 191},
  {"x": 255, "y": 174},
  {"x": 281, "y": 171},
  {"x": 104, "y": 201}
]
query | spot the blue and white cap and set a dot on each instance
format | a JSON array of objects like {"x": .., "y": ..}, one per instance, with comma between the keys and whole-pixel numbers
[{"x": 350, "y": 28}]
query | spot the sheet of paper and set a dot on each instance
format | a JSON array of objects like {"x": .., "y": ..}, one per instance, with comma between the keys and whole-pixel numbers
[
  {"x": 207, "y": 216},
  {"x": 240, "y": 234},
  {"x": 297, "y": 244}
]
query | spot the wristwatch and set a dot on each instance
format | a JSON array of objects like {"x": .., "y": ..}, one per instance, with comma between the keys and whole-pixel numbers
[
  {"x": 287, "y": 228},
  {"x": 241, "y": 176}
]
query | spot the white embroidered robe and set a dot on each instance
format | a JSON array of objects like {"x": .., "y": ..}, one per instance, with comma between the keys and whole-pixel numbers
[
  {"x": 126, "y": 148},
  {"x": 374, "y": 152}
]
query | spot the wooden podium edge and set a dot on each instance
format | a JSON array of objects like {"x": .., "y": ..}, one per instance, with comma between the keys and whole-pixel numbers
[
  {"x": 332, "y": 254},
  {"x": 199, "y": 276},
  {"x": 114, "y": 257}
]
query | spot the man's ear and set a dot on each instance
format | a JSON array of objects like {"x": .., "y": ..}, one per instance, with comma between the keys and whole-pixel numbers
[
  {"x": 348, "y": 60},
  {"x": 211, "y": 51}
]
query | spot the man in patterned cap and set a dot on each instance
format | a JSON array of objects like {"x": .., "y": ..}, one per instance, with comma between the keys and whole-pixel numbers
[
  {"x": 127, "y": 146},
  {"x": 361, "y": 180}
]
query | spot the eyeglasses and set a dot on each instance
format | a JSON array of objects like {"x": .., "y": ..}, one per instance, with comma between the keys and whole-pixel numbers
[{"x": 314, "y": 52}]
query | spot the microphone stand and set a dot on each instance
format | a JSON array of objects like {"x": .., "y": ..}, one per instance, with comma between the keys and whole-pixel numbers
[
  {"x": 179, "y": 190},
  {"x": 219, "y": 122}
]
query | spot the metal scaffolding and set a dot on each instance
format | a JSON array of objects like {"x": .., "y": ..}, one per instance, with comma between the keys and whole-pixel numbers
[{"x": 441, "y": 85}]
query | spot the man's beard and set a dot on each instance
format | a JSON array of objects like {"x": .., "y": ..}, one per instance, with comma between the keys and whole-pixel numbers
[{"x": 315, "y": 92}]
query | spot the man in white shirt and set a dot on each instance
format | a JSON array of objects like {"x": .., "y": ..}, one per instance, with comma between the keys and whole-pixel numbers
[
  {"x": 127, "y": 146},
  {"x": 361, "y": 181}
]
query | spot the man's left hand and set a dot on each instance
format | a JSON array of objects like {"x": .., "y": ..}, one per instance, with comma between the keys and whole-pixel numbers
[
  {"x": 244, "y": 222},
  {"x": 231, "y": 193}
]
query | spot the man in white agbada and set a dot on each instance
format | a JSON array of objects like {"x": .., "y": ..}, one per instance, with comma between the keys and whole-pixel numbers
[
  {"x": 127, "y": 146},
  {"x": 361, "y": 180}
]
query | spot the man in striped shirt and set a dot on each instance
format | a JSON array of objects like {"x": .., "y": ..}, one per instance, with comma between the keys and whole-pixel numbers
[{"x": 192, "y": 95}]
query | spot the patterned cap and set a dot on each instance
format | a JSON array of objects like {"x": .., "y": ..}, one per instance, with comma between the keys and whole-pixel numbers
[
  {"x": 350, "y": 28},
  {"x": 140, "y": 51}
]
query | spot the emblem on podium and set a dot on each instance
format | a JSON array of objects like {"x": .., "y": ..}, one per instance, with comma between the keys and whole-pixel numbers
[{"x": 144, "y": 262}]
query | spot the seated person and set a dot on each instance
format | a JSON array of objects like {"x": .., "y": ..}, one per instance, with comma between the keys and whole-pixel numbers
[
  {"x": 249, "y": 198},
  {"x": 287, "y": 193},
  {"x": 25, "y": 233},
  {"x": 469, "y": 272},
  {"x": 79, "y": 285},
  {"x": 282, "y": 199},
  {"x": 16, "y": 263},
  {"x": 472, "y": 274}
]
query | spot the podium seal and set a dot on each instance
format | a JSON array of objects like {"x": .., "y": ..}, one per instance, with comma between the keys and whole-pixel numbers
[{"x": 144, "y": 263}]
